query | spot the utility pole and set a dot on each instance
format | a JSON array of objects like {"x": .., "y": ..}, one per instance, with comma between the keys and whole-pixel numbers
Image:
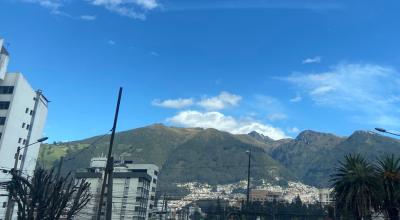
[
  {"x": 109, "y": 190},
  {"x": 248, "y": 179},
  {"x": 107, "y": 177}
]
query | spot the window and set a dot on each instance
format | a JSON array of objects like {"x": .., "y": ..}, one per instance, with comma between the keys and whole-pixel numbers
[
  {"x": 31, "y": 112},
  {"x": 2, "y": 120},
  {"x": 155, "y": 172},
  {"x": 23, "y": 125},
  {"x": 4, "y": 204},
  {"x": 27, "y": 127},
  {"x": 153, "y": 189},
  {"x": 4, "y": 105},
  {"x": 24, "y": 141},
  {"x": 6, "y": 89},
  {"x": 19, "y": 140},
  {"x": 0, "y": 134},
  {"x": 154, "y": 181},
  {"x": 26, "y": 110}
]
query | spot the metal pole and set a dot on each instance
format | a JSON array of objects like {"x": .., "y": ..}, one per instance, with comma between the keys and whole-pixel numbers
[
  {"x": 109, "y": 166},
  {"x": 248, "y": 180},
  {"x": 109, "y": 190},
  {"x": 10, "y": 203}
]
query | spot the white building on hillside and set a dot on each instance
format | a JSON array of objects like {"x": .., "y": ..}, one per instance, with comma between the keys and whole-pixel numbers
[
  {"x": 23, "y": 113},
  {"x": 134, "y": 187}
]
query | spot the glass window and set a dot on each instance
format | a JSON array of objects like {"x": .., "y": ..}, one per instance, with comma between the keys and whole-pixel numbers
[
  {"x": 6, "y": 89},
  {"x": 4, "y": 105},
  {"x": 23, "y": 125},
  {"x": 2, "y": 120}
]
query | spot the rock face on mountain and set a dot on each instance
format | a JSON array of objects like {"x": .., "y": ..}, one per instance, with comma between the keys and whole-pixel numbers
[{"x": 216, "y": 157}]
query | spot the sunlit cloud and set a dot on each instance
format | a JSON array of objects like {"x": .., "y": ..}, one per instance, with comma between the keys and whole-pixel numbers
[{"x": 223, "y": 122}]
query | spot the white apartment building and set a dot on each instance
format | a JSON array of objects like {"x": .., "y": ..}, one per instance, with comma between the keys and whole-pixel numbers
[
  {"x": 23, "y": 113},
  {"x": 133, "y": 190}
]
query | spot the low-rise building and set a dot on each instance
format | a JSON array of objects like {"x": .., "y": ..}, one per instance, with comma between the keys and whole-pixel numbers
[
  {"x": 133, "y": 186},
  {"x": 262, "y": 195}
]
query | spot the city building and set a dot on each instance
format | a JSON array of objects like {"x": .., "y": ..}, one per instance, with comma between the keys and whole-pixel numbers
[
  {"x": 133, "y": 190},
  {"x": 23, "y": 113},
  {"x": 262, "y": 195},
  {"x": 325, "y": 196}
]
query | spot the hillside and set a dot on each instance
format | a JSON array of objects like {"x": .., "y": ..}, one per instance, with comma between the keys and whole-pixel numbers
[{"x": 216, "y": 157}]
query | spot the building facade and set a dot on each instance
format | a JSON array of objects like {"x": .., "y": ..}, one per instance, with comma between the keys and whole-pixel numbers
[
  {"x": 134, "y": 186},
  {"x": 261, "y": 195},
  {"x": 23, "y": 113}
]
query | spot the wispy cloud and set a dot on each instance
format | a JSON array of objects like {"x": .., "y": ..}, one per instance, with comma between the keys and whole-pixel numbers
[
  {"x": 297, "y": 98},
  {"x": 173, "y": 103},
  {"x": 88, "y": 17},
  {"x": 129, "y": 8},
  {"x": 276, "y": 116},
  {"x": 52, "y": 5},
  {"x": 372, "y": 91},
  {"x": 223, "y": 122},
  {"x": 316, "y": 59}
]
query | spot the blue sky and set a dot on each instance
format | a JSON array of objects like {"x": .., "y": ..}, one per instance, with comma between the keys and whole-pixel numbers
[{"x": 277, "y": 67}]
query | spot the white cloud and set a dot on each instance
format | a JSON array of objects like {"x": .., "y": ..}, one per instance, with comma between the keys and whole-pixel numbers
[
  {"x": 276, "y": 116},
  {"x": 129, "y": 8},
  {"x": 53, "y": 5},
  {"x": 293, "y": 130},
  {"x": 316, "y": 59},
  {"x": 222, "y": 122},
  {"x": 223, "y": 100},
  {"x": 88, "y": 17},
  {"x": 297, "y": 98},
  {"x": 173, "y": 103},
  {"x": 111, "y": 42},
  {"x": 370, "y": 90}
]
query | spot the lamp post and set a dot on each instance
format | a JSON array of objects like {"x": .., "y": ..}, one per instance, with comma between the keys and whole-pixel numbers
[
  {"x": 388, "y": 132},
  {"x": 10, "y": 204}
]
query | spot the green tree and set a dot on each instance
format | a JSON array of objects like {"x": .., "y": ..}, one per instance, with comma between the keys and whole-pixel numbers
[
  {"x": 356, "y": 187},
  {"x": 388, "y": 172}
]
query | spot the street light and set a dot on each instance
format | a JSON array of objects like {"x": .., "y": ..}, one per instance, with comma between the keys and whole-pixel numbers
[
  {"x": 20, "y": 148},
  {"x": 10, "y": 204},
  {"x": 386, "y": 131}
]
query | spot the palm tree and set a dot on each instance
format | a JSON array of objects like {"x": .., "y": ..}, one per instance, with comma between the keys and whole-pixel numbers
[
  {"x": 355, "y": 187},
  {"x": 388, "y": 172}
]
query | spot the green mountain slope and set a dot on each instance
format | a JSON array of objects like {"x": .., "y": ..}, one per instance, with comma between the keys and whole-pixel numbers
[{"x": 212, "y": 156}]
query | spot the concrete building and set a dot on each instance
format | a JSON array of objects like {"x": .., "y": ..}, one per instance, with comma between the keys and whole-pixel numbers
[
  {"x": 134, "y": 188},
  {"x": 23, "y": 113},
  {"x": 262, "y": 195}
]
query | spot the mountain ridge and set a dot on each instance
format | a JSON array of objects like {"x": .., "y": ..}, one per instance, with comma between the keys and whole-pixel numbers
[{"x": 310, "y": 157}]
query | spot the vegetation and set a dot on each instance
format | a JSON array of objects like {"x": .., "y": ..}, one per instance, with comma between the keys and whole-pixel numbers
[
  {"x": 362, "y": 188},
  {"x": 47, "y": 196}
]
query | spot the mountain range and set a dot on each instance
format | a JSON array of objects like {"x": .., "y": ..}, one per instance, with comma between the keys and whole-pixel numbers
[{"x": 217, "y": 157}]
